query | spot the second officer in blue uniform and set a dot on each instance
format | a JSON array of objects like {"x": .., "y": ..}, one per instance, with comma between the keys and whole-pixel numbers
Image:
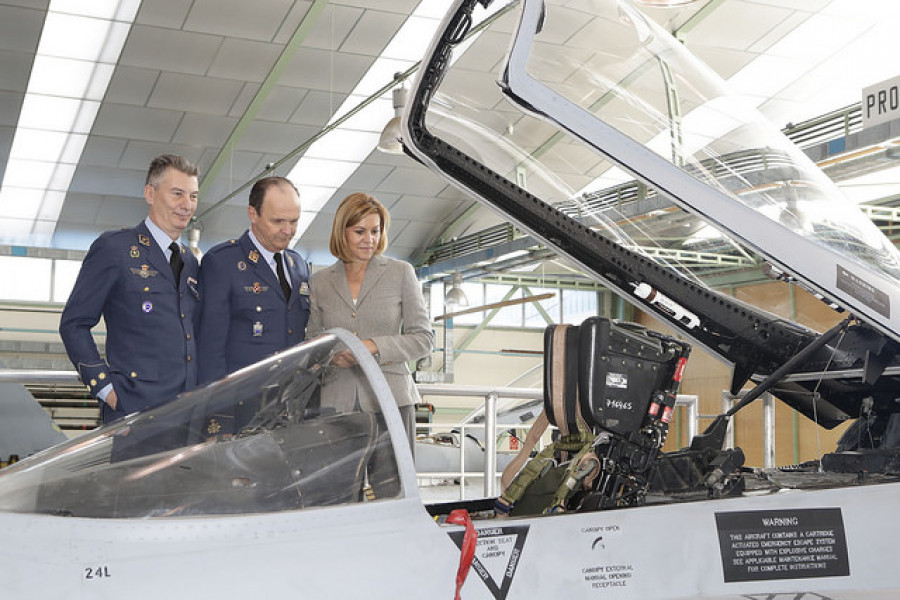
[{"x": 255, "y": 291}]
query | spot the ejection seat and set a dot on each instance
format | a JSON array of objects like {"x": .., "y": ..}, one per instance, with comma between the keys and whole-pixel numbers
[{"x": 610, "y": 390}]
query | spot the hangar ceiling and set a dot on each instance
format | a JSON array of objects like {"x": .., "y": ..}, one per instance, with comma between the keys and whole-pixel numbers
[{"x": 237, "y": 86}]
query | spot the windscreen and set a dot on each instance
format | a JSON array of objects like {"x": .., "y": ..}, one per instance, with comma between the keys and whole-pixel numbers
[{"x": 275, "y": 436}]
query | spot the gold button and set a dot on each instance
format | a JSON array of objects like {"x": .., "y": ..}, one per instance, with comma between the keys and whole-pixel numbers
[
  {"x": 182, "y": 315},
  {"x": 93, "y": 382},
  {"x": 189, "y": 359},
  {"x": 101, "y": 376},
  {"x": 133, "y": 374},
  {"x": 188, "y": 336},
  {"x": 259, "y": 309},
  {"x": 146, "y": 289},
  {"x": 290, "y": 331}
]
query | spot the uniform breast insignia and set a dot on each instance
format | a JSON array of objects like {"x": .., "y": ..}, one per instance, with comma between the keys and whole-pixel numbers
[
  {"x": 147, "y": 306},
  {"x": 144, "y": 272},
  {"x": 134, "y": 252},
  {"x": 213, "y": 427},
  {"x": 253, "y": 256},
  {"x": 304, "y": 288},
  {"x": 192, "y": 285},
  {"x": 257, "y": 329},
  {"x": 256, "y": 288},
  {"x": 242, "y": 266},
  {"x": 144, "y": 240}
]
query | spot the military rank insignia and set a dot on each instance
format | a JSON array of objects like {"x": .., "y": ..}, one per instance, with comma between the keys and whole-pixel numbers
[
  {"x": 256, "y": 288},
  {"x": 144, "y": 272},
  {"x": 144, "y": 240},
  {"x": 253, "y": 256},
  {"x": 134, "y": 252}
]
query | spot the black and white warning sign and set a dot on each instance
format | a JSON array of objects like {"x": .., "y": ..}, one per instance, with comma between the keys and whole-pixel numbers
[
  {"x": 497, "y": 554},
  {"x": 782, "y": 544},
  {"x": 864, "y": 291}
]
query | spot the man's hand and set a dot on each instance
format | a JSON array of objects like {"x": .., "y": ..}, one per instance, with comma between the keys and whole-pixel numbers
[{"x": 112, "y": 400}]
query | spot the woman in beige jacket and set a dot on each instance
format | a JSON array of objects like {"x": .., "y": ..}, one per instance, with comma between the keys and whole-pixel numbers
[{"x": 379, "y": 300}]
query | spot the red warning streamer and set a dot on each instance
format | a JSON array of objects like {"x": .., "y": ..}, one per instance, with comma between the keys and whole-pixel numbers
[{"x": 460, "y": 516}]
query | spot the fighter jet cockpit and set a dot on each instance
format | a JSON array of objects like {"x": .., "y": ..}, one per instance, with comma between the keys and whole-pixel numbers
[{"x": 266, "y": 438}]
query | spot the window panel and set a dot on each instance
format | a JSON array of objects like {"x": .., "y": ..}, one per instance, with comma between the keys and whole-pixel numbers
[{"x": 25, "y": 278}]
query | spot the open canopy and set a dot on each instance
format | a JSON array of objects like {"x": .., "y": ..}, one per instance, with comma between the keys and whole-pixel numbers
[{"x": 604, "y": 138}]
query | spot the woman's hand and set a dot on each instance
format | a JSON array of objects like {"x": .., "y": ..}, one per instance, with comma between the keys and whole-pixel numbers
[{"x": 345, "y": 358}]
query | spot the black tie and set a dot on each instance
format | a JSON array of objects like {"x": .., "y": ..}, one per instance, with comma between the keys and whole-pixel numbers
[
  {"x": 279, "y": 269},
  {"x": 176, "y": 262}
]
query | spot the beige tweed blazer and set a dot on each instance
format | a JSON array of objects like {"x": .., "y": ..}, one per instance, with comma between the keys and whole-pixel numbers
[{"x": 390, "y": 310}]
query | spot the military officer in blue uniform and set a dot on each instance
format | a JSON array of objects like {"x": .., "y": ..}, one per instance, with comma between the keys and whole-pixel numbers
[
  {"x": 249, "y": 310},
  {"x": 128, "y": 277}
]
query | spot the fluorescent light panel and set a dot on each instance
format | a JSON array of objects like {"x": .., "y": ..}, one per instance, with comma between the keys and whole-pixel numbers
[
  {"x": 406, "y": 47},
  {"x": 76, "y": 56},
  {"x": 333, "y": 158}
]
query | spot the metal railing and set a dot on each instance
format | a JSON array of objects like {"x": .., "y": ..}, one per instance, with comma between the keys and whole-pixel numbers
[{"x": 768, "y": 424}]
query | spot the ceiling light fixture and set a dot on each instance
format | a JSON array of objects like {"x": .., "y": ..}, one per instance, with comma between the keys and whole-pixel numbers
[
  {"x": 455, "y": 295},
  {"x": 389, "y": 143}
]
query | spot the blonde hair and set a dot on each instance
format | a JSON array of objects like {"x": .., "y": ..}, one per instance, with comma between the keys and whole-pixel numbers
[{"x": 353, "y": 209}]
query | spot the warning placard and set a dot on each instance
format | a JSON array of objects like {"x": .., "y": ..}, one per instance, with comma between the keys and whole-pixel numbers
[
  {"x": 497, "y": 554},
  {"x": 782, "y": 544}
]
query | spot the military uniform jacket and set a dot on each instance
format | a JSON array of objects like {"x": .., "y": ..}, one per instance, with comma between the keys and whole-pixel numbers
[
  {"x": 390, "y": 310},
  {"x": 150, "y": 345},
  {"x": 244, "y": 316}
]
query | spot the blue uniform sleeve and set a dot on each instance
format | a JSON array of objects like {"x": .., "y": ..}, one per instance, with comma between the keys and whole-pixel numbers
[
  {"x": 214, "y": 319},
  {"x": 97, "y": 278}
]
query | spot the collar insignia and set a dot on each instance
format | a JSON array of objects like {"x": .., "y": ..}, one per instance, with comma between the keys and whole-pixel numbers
[
  {"x": 253, "y": 256},
  {"x": 144, "y": 240}
]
